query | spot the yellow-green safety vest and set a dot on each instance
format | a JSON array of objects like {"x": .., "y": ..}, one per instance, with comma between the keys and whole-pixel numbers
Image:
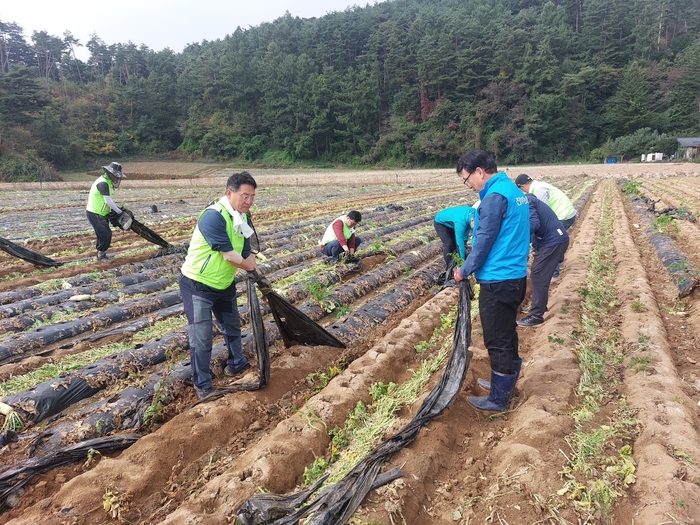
[
  {"x": 96, "y": 201},
  {"x": 558, "y": 201},
  {"x": 208, "y": 266},
  {"x": 329, "y": 235}
]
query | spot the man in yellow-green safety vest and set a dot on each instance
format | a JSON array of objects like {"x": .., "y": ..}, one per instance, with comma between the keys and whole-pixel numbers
[
  {"x": 552, "y": 197},
  {"x": 339, "y": 237},
  {"x": 101, "y": 210},
  {"x": 220, "y": 245}
]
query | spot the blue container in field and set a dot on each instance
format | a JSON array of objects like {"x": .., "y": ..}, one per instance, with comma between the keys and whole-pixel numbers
[{"x": 611, "y": 160}]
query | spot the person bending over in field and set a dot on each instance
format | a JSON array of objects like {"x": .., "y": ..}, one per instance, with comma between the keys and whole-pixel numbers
[
  {"x": 549, "y": 241},
  {"x": 339, "y": 238},
  {"x": 219, "y": 246},
  {"x": 498, "y": 260},
  {"x": 101, "y": 210},
  {"x": 552, "y": 197},
  {"x": 453, "y": 226}
]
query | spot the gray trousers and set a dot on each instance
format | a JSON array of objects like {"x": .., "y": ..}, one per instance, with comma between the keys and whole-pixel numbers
[{"x": 201, "y": 302}]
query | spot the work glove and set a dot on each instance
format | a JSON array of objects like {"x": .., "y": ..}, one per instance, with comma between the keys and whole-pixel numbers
[{"x": 263, "y": 284}]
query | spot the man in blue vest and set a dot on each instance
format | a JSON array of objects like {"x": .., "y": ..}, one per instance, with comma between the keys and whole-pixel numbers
[
  {"x": 498, "y": 260},
  {"x": 220, "y": 245}
]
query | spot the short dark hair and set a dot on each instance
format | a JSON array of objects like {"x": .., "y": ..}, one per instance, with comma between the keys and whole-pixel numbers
[
  {"x": 355, "y": 215},
  {"x": 476, "y": 158},
  {"x": 236, "y": 180}
]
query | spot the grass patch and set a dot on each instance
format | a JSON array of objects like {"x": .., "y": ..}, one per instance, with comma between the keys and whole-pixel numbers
[
  {"x": 366, "y": 426},
  {"x": 599, "y": 466}
]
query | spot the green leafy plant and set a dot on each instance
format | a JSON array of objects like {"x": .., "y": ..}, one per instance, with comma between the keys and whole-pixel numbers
[
  {"x": 680, "y": 454},
  {"x": 631, "y": 187},
  {"x": 321, "y": 294},
  {"x": 420, "y": 347},
  {"x": 343, "y": 310},
  {"x": 666, "y": 224},
  {"x": 640, "y": 364}
]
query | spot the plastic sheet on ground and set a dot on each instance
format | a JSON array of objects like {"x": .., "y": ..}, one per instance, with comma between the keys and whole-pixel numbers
[
  {"x": 336, "y": 504},
  {"x": 294, "y": 325},
  {"x": 148, "y": 234},
  {"x": 13, "y": 480},
  {"x": 27, "y": 255}
]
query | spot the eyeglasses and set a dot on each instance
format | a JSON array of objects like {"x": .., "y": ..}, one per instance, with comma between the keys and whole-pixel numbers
[
  {"x": 469, "y": 175},
  {"x": 247, "y": 198}
]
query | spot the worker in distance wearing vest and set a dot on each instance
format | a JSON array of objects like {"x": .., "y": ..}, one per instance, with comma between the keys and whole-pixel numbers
[
  {"x": 552, "y": 197},
  {"x": 101, "y": 210},
  {"x": 219, "y": 246},
  {"x": 339, "y": 238}
]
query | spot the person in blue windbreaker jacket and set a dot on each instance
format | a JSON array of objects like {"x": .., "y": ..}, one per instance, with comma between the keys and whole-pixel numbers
[{"x": 498, "y": 260}]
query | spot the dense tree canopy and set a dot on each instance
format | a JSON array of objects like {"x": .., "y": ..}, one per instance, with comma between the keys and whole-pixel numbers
[{"x": 404, "y": 82}]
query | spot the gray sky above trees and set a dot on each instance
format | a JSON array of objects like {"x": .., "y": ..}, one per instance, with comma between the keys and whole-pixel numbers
[{"x": 157, "y": 23}]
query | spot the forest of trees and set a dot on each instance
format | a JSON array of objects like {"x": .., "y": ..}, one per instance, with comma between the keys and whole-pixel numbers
[{"x": 400, "y": 83}]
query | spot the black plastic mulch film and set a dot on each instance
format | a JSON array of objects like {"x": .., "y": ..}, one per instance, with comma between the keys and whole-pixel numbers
[
  {"x": 148, "y": 234},
  {"x": 11, "y": 481},
  {"x": 27, "y": 255},
  {"x": 682, "y": 272},
  {"x": 335, "y": 505}
]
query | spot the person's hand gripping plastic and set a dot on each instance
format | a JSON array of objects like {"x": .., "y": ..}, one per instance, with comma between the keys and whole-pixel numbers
[{"x": 263, "y": 284}]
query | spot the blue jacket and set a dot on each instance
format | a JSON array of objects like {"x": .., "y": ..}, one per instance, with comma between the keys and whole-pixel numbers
[
  {"x": 545, "y": 229},
  {"x": 501, "y": 240},
  {"x": 458, "y": 218}
]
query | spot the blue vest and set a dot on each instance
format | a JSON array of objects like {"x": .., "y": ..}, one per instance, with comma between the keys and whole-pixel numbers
[{"x": 508, "y": 257}]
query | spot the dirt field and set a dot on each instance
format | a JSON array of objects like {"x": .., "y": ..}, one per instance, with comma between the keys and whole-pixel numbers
[{"x": 604, "y": 427}]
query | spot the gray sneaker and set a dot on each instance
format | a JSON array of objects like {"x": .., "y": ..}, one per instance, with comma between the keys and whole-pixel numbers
[
  {"x": 233, "y": 372},
  {"x": 102, "y": 256},
  {"x": 202, "y": 393}
]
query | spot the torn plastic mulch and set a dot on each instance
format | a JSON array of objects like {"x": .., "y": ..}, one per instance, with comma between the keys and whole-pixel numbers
[
  {"x": 335, "y": 505},
  {"x": 11, "y": 481},
  {"x": 680, "y": 269},
  {"x": 27, "y": 255}
]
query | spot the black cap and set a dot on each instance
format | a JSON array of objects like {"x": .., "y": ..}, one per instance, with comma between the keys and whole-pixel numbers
[{"x": 522, "y": 179}]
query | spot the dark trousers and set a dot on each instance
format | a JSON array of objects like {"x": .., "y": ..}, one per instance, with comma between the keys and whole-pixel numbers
[
  {"x": 449, "y": 242},
  {"x": 334, "y": 249},
  {"x": 544, "y": 264},
  {"x": 567, "y": 223},
  {"x": 100, "y": 223},
  {"x": 498, "y": 307},
  {"x": 200, "y": 302}
]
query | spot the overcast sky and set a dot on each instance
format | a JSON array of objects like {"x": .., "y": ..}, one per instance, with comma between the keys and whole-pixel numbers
[{"x": 157, "y": 23}]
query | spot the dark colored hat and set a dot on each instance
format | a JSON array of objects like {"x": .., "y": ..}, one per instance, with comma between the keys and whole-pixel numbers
[
  {"x": 522, "y": 179},
  {"x": 115, "y": 169}
]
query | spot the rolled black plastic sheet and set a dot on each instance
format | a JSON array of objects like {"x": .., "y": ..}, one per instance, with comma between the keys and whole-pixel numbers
[
  {"x": 336, "y": 504},
  {"x": 148, "y": 234},
  {"x": 27, "y": 255}
]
